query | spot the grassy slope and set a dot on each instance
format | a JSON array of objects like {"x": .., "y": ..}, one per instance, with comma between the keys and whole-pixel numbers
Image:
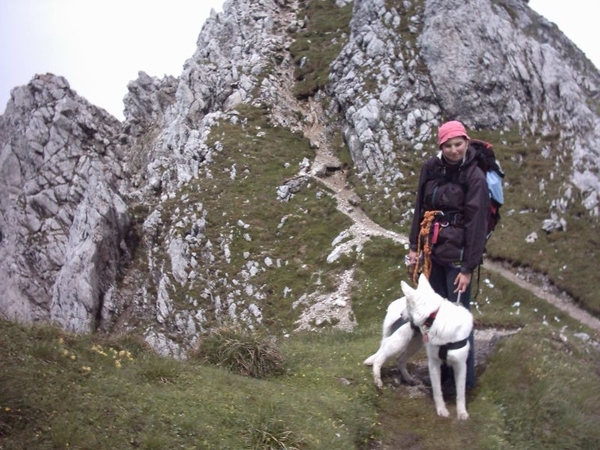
[{"x": 539, "y": 390}]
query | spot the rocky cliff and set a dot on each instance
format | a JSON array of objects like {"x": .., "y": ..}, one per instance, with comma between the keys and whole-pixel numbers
[{"x": 210, "y": 205}]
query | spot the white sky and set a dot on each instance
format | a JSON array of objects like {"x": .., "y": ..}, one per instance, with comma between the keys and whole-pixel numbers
[
  {"x": 97, "y": 45},
  {"x": 100, "y": 45}
]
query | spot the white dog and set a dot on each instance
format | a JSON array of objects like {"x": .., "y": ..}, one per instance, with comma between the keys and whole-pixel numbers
[
  {"x": 445, "y": 326},
  {"x": 399, "y": 342}
]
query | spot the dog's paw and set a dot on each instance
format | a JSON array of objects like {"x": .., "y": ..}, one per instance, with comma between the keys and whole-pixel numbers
[
  {"x": 463, "y": 415},
  {"x": 443, "y": 412}
]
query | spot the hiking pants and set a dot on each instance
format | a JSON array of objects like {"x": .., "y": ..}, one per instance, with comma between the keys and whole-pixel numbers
[{"x": 442, "y": 281}]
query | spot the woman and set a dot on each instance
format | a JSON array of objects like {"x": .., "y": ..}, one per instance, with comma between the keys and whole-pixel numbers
[{"x": 452, "y": 182}]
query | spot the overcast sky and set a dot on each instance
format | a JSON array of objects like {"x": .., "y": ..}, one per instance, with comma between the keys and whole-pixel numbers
[{"x": 100, "y": 45}]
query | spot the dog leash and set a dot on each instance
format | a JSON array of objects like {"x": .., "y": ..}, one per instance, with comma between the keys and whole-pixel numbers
[{"x": 458, "y": 298}]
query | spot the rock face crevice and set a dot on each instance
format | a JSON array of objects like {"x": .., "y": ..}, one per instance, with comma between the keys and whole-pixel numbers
[
  {"x": 91, "y": 260},
  {"x": 97, "y": 229}
]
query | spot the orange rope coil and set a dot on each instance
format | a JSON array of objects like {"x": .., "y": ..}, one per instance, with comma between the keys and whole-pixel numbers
[{"x": 424, "y": 240}]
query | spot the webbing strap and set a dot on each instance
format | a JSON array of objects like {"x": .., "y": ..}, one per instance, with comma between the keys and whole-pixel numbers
[
  {"x": 478, "y": 277},
  {"x": 443, "y": 353}
]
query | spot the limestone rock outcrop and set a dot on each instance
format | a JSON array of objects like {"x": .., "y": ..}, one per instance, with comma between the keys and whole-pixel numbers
[{"x": 62, "y": 216}]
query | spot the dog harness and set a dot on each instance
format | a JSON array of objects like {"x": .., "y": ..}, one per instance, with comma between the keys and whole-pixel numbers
[
  {"x": 401, "y": 321},
  {"x": 443, "y": 352}
]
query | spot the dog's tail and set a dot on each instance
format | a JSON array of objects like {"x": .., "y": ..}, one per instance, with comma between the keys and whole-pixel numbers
[{"x": 369, "y": 360}]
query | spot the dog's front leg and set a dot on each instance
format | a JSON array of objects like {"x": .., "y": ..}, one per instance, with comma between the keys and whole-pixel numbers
[
  {"x": 460, "y": 378},
  {"x": 435, "y": 373}
]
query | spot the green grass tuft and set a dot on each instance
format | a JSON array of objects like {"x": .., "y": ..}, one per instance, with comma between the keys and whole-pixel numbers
[{"x": 241, "y": 352}]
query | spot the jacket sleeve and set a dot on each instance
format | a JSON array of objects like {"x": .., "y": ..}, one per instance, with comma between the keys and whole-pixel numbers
[
  {"x": 476, "y": 216},
  {"x": 416, "y": 221}
]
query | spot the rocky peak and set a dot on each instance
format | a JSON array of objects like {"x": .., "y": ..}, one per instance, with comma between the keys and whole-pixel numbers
[
  {"x": 58, "y": 152},
  {"x": 489, "y": 64},
  {"x": 106, "y": 225}
]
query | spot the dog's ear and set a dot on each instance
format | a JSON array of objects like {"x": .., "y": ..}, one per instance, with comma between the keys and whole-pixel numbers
[{"x": 408, "y": 291}]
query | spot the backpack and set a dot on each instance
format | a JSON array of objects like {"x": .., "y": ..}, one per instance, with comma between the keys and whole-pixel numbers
[{"x": 486, "y": 160}]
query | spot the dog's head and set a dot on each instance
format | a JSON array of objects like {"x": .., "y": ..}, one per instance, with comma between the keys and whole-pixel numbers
[{"x": 420, "y": 302}]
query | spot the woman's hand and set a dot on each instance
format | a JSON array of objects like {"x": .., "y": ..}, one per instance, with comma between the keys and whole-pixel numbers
[
  {"x": 462, "y": 282},
  {"x": 412, "y": 257},
  {"x": 411, "y": 262}
]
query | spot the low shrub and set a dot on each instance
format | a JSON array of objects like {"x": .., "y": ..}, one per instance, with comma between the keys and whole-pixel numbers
[{"x": 241, "y": 352}]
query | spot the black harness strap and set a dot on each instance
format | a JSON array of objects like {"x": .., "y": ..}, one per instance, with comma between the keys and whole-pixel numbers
[
  {"x": 401, "y": 321},
  {"x": 443, "y": 353},
  {"x": 397, "y": 324}
]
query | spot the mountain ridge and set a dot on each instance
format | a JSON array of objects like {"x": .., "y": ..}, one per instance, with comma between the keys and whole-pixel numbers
[{"x": 153, "y": 224}]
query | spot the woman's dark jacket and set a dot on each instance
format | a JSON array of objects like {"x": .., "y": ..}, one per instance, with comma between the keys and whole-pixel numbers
[{"x": 461, "y": 192}]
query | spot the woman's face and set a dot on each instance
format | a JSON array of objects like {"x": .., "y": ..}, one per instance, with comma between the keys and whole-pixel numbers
[{"x": 454, "y": 149}]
